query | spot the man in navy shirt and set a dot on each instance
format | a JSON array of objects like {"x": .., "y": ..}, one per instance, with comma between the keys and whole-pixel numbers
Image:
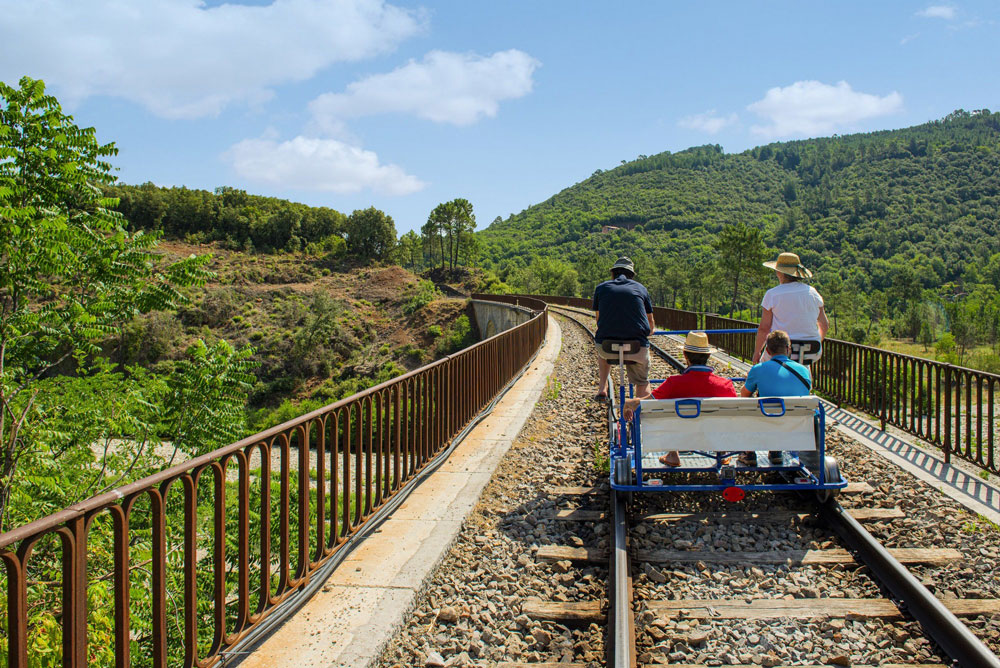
[
  {"x": 624, "y": 311},
  {"x": 777, "y": 377}
]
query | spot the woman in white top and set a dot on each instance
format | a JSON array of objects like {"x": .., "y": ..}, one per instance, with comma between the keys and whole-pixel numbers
[{"x": 792, "y": 306}]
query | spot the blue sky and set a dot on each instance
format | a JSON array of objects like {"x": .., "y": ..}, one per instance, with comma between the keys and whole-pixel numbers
[{"x": 403, "y": 105}]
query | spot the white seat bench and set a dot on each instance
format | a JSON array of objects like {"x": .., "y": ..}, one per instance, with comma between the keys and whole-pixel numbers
[{"x": 728, "y": 425}]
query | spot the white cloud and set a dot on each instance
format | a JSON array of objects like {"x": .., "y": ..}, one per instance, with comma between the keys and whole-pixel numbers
[
  {"x": 946, "y": 12},
  {"x": 909, "y": 38},
  {"x": 445, "y": 87},
  {"x": 814, "y": 108},
  {"x": 708, "y": 122},
  {"x": 306, "y": 163},
  {"x": 180, "y": 59}
]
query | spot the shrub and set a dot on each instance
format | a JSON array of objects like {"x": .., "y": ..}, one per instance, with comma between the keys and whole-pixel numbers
[
  {"x": 945, "y": 349},
  {"x": 413, "y": 354},
  {"x": 423, "y": 293},
  {"x": 458, "y": 336}
]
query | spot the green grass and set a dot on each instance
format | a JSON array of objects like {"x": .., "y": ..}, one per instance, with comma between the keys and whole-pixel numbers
[
  {"x": 980, "y": 525},
  {"x": 552, "y": 389},
  {"x": 602, "y": 460}
]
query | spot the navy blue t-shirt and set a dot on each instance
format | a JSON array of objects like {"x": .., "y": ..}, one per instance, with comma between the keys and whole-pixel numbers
[{"x": 622, "y": 305}]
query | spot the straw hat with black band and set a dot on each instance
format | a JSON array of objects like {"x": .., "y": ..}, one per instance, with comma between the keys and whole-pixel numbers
[
  {"x": 788, "y": 263},
  {"x": 697, "y": 342}
]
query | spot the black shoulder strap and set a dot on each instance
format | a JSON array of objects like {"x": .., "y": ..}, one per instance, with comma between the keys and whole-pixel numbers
[{"x": 794, "y": 373}]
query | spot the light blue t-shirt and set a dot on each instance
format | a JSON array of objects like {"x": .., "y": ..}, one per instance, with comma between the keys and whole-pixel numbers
[{"x": 770, "y": 379}]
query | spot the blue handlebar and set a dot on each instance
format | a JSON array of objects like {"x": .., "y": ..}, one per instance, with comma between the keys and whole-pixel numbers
[
  {"x": 687, "y": 402},
  {"x": 776, "y": 401}
]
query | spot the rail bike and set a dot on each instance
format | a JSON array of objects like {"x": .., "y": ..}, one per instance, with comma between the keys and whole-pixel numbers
[{"x": 785, "y": 434}]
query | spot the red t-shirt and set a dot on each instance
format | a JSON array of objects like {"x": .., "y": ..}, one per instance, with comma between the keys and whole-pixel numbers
[{"x": 696, "y": 382}]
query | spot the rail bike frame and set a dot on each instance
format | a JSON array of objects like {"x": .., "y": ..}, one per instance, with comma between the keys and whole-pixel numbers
[{"x": 628, "y": 472}]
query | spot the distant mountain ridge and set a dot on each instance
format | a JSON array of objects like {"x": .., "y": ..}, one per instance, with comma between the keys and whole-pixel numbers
[{"x": 928, "y": 196}]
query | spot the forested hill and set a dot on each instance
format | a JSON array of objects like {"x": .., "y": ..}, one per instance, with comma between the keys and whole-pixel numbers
[{"x": 926, "y": 196}]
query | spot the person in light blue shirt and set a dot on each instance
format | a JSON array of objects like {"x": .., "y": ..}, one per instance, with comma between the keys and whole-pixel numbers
[{"x": 777, "y": 377}]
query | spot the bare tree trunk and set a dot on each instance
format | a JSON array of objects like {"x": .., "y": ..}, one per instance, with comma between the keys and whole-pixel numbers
[{"x": 736, "y": 291}]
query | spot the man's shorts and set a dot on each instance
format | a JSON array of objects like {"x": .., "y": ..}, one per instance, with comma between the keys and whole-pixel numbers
[{"x": 637, "y": 367}]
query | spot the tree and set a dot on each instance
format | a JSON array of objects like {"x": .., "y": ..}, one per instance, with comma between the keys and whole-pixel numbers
[
  {"x": 461, "y": 222},
  {"x": 547, "y": 276},
  {"x": 591, "y": 269},
  {"x": 961, "y": 326},
  {"x": 451, "y": 224},
  {"x": 668, "y": 278},
  {"x": 433, "y": 232},
  {"x": 371, "y": 234},
  {"x": 926, "y": 335},
  {"x": 71, "y": 277},
  {"x": 740, "y": 251},
  {"x": 410, "y": 252}
]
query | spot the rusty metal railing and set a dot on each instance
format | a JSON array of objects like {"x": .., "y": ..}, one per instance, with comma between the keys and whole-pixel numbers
[
  {"x": 221, "y": 541},
  {"x": 737, "y": 345},
  {"x": 949, "y": 406}
]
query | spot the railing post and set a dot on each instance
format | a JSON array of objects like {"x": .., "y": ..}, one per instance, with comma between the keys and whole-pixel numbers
[
  {"x": 882, "y": 394},
  {"x": 74, "y": 585},
  {"x": 947, "y": 413}
]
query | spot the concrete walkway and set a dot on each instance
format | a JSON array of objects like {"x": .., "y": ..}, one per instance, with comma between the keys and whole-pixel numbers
[{"x": 368, "y": 596}]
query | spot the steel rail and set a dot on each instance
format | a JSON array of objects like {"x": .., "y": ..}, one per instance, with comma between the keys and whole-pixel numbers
[
  {"x": 621, "y": 652},
  {"x": 938, "y": 622},
  {"x": 622, "y": 622}
]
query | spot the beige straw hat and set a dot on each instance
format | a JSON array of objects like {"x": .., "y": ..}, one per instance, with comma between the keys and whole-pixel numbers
[
  {"x": 697, "y": 342},
  {"x": 788, "y": 263}
]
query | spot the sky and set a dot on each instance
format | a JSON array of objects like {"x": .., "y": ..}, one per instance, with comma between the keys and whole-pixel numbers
[{"x": 404, "y": 105}]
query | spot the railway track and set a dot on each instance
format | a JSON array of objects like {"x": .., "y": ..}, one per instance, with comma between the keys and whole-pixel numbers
[
  {"x": 527, "y": 580},
  {"x": 694, "y": 631}
]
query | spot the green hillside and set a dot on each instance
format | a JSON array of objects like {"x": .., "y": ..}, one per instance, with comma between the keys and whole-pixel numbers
[{"x": 918, "y": 205}]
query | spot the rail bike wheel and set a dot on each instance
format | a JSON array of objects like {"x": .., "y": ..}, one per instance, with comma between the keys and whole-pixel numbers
[{"x": 831, "y": 473}]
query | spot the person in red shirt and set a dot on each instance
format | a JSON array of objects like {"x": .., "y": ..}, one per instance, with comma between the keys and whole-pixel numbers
[{"x": 697, "y": 381}]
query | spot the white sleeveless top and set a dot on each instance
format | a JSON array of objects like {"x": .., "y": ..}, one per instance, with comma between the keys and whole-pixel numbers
[{"x": 795, "y": 307}]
